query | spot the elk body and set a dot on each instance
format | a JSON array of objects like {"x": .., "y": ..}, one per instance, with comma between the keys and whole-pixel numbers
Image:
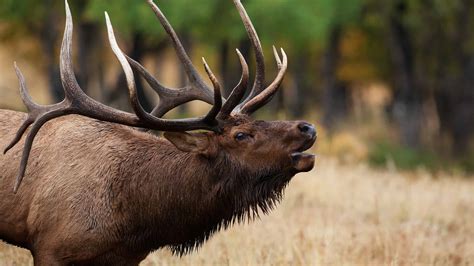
[{"x": 97, "y": 191}]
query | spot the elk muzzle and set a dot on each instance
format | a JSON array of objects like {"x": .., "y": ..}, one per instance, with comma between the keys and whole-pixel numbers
[{"x": 304, "y": 162}]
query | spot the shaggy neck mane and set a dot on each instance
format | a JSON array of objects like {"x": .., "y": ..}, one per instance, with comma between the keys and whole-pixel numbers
[{"x": 239, "y": 196}]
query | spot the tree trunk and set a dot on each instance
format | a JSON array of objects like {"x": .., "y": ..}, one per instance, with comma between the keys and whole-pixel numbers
[
  {"x": 407, "y": 101},
  {"x": 455, "y": 91},
  {"x": 88, "y": 36},
  {"x": 463, "y": 117},
  {"x": 138, "y": 52},
  {"x": 298, "y": 95},
  {"x": 335, "y": 94},
  {"x": 226, "y": 68},
  {"x": 183, "y": 78},
  {"x": 89, "y": 46},
  {"x": 48, "y": 36}
]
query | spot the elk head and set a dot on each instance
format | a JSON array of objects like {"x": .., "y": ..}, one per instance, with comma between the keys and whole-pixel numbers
[{"x": 231, "y": 135}]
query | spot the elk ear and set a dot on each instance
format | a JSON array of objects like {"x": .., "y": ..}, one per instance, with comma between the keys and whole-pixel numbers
[{"x": 196, "y": 142}]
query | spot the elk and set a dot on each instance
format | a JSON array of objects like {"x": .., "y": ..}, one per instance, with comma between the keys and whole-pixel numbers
[{"x": 94, "y": 190}]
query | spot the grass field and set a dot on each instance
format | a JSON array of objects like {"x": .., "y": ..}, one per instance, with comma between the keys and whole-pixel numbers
[{"x": 345, "y": 215}]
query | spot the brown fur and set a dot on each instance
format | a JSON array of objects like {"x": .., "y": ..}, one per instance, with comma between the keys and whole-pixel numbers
[{"x": 97, "y": 193}]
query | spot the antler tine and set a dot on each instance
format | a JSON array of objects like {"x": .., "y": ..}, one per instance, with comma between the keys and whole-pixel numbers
[
  {"x": 30, "y": 138},
  {"x": 257, "y": 47},
  {"x": 25, "y": 96},
  {"x": 211, "y": 116},
  {"x": 191, "y": 71},
  {"x": 265, "y": 96},
  {"x": 277, "y": 57},
  {"x": 31, "y": 106},
  {"x": 239, "y": 91}
]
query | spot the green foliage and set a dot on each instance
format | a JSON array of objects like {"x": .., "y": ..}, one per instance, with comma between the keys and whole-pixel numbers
[
  {"x": 137, "y": 17},
  {"x": 18, "y": 11},
  {"x": 300, "y": 23},
  {"x": 25, "y": 14},
  {"x": 383, "y": 153},
  {"x": 467, "y": 163}
]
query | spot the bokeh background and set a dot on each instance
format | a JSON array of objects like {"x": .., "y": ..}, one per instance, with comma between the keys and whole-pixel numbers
[{"x": 389, "y": 83}]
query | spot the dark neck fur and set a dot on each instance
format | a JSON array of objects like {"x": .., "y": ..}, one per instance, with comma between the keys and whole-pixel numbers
[{"x": 181, "y": 199}]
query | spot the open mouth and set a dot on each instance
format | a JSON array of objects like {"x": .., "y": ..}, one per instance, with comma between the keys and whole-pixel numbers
[{"x": 301, "y": 161}]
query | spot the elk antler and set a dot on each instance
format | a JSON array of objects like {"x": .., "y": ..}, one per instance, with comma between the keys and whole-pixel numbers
[{"x": 77, "y": 102}]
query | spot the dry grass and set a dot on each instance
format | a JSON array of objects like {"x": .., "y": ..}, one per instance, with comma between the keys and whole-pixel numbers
[{"x": 345, "y": 215}]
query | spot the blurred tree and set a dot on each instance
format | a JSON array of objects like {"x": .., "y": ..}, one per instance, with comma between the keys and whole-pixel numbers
[
  {"x": 431, "y": 51},
  {"x": 37, "y": 18},
  {"x": 337, "y": 17},
  {"x": 407, "y": 101},
  {"x": 40, "y": 20},
  {"x": 447, "y": 68}
]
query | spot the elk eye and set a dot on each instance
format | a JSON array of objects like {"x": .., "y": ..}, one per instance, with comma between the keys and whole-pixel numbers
[{"x": 241, "y": 136}]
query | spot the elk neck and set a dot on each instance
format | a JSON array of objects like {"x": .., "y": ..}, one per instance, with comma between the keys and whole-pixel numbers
[{"x": 180, "y": 199}]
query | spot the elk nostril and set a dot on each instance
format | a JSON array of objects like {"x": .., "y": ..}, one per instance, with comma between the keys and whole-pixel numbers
[
  {"x": 295, "y": 157},
  {"x": 307, "y": 129}
]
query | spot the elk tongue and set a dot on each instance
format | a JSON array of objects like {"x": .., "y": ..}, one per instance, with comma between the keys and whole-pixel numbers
[{"x": 302, "y": 162}]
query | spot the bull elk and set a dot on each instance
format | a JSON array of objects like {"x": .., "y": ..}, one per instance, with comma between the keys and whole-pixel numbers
[{"x": 97, "y": 191}]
